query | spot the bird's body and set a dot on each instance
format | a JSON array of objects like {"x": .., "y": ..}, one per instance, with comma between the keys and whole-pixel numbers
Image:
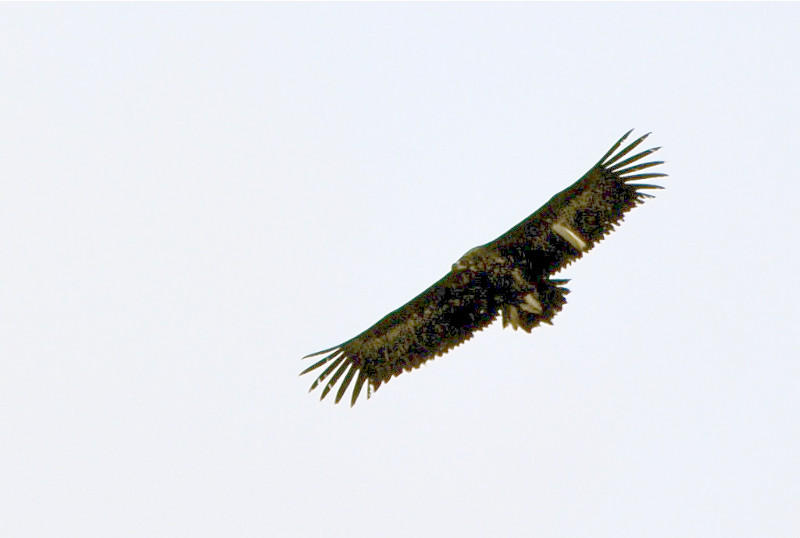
[{"x": 510, "y": 276}]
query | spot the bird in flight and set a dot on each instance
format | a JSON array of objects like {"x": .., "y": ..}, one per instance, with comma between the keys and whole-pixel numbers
[{"x": 509, "y": 277}]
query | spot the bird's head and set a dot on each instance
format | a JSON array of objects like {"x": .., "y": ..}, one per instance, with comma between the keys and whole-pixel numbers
[{"x": 473, "y": 258}]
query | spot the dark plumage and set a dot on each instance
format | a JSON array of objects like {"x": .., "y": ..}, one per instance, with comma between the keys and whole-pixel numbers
[{"x": 510, "y": 276}]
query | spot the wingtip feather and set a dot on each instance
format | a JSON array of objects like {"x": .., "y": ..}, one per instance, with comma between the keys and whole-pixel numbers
[
  {"x": 321, "y": 361},
  {"x": 333, "y": 380},
  {"x": 630, "y": 147},
  {"x": 345, "y": 383},
  {"x": 357, "y": 388},
  {"x": 614, "y": 147},
  {"x": 327, "y": 372}
]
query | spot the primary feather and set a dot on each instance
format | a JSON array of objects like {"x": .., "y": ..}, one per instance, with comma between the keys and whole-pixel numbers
[{"x": 510, "y": 276}]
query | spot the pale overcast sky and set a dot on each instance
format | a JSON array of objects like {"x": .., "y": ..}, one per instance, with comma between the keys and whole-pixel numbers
[{"x": 194, "y": 196}]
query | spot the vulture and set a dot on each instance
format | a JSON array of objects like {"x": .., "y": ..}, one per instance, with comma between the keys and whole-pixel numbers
[{"x": 510, "y": 277}]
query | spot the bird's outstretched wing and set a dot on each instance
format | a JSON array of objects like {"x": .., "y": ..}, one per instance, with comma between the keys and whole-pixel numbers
[
  {"x": 577, "y": 218},
  {"x": 440, "y": 318}
]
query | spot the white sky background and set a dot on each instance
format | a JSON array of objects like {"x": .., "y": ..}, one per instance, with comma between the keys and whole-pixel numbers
[{"x": 196, "y": 196}]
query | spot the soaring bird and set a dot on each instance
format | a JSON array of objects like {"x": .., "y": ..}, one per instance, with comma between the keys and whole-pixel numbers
[{"x": 510, "y": 277}]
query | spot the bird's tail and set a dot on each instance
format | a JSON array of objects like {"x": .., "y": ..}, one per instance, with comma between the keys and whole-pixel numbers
[{"x": 539, "y": 304}]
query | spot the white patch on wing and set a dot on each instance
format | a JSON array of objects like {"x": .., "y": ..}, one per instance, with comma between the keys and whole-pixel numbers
[
  {"x": 511, "y": 317},
  {"x": 531, "y": 304},
  {"x": 569, "y": 236}
]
